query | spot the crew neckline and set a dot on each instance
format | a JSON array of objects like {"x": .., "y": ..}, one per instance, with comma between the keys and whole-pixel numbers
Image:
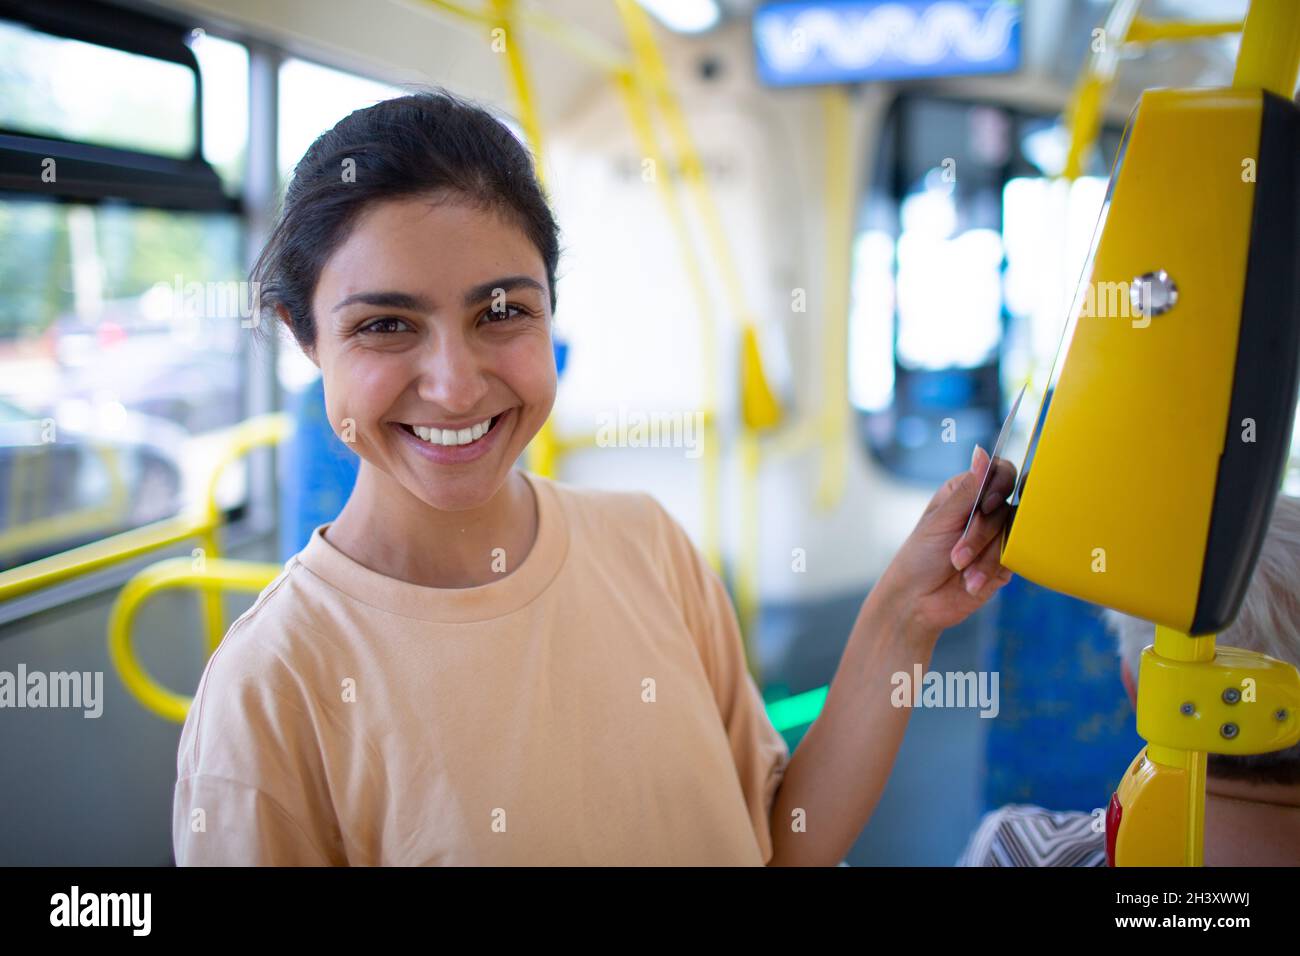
[{"x": 451, "y": 605}]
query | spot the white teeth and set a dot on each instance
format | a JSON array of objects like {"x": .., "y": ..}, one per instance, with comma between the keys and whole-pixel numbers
[{"x": 446, "y": 436}]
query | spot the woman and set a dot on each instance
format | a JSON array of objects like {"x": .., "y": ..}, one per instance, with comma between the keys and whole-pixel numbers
[{"x": 475, "y": 665}]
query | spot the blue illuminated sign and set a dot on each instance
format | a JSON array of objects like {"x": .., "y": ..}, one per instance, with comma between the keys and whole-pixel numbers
[{"x": 853, "y": 41}]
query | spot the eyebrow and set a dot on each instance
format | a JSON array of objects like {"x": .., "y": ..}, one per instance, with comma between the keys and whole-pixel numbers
[
  {"x": 387, "y": 300},
  {"x": 485, "y": 290},
  {"x": 417, "y": 303}
]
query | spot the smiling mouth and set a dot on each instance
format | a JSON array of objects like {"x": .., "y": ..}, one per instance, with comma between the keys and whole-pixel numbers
[{"x": 453, "y": 437}]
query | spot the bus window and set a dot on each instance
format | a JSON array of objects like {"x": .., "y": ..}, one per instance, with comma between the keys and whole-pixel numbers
[
  {"x": 965, "y": 258},
  {"x": 120, "y": 320},
  {"x": 55, "y": 86}
]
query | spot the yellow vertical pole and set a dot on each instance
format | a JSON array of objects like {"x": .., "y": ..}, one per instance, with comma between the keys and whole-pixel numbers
[
  {"x": 1176, "y": 646},
  {"x": 632, "y": 91},
  {"x": 835, "y": 318},
  {"x": 543, "y": 450},
  {"x": 1270, "y": 48}
]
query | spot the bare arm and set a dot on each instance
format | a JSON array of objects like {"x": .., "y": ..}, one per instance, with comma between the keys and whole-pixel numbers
[{"x": 837, "y": 774}]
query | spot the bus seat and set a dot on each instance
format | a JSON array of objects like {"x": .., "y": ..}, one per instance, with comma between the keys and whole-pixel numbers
[
  {"x": 1066, "y": 731},
  {"x": 317, "y": 472}
]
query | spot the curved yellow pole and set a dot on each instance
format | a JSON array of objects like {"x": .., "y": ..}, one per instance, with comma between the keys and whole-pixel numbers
[
  {"x": 248, "y": 435},
  {"x": 211, "y": 576}
]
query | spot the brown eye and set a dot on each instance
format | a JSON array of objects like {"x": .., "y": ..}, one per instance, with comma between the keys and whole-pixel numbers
[
  {"x": 494, "y": 316},
  {"x": 385, "y": 326}
]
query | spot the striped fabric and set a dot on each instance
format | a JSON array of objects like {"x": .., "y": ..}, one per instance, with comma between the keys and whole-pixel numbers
[{"x": 1023, "y": 835}]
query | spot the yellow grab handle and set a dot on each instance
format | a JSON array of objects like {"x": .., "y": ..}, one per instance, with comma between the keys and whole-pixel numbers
[{"x": 211, "y": 576}]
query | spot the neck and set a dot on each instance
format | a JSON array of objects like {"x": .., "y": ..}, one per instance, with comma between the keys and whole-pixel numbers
[
  {"x": 1251, "y": 824},
  {"x": 387, "y": 529},
  {"x": 1263, "y": 794}
]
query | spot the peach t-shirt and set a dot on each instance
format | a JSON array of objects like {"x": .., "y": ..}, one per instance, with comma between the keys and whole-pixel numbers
[{"x": 591, "y": 707}]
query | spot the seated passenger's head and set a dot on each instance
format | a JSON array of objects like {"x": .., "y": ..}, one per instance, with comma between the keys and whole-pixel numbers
[
  {"x": 1268, "y": 622},
  {"x": 414, "y": 262}
]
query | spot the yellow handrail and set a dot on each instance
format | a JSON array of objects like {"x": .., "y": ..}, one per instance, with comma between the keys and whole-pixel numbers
[
  {"x": 1124, "y": 29},
  {"x": 760, "y": 406},
  {"x": 212, "y": 576},
  {"x": 649, "y": 78},
  {"x": 634, "y": 101},
  {"x": 76, "y": 562}
]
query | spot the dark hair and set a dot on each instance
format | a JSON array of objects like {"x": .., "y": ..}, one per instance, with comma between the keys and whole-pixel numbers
[{"x": 428, "y": 142}]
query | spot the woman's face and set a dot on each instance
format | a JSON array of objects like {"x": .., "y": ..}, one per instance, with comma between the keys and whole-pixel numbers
[{"x": 433, "y": 320}]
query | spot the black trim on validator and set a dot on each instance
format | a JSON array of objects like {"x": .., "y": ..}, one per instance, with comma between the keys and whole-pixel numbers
[{"x": 1266, "y": 376}]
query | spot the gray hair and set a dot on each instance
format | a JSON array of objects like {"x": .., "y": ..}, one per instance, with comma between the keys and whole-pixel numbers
[{"x": 1268, "y": 622}]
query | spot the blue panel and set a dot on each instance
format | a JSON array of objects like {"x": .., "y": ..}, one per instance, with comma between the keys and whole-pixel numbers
[
  {"x": 1066, "y": 731},
  {"x": 853, "y": 41},
  {"x": 949, "y": 389},
  {"x": 317, "y": 472}
]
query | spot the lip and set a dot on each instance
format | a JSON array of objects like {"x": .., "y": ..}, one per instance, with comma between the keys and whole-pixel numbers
[{"x": 457, "y": 454}]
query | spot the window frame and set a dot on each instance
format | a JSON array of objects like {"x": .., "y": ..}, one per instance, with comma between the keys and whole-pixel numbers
[{"x": 94, "y": 174}]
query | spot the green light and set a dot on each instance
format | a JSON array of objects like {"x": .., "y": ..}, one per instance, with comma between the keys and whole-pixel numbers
[{"x": 797, "y": 710}]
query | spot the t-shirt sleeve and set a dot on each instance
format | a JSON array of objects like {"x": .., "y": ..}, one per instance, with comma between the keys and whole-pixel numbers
[
  {"x": 759, "y": 751},
  {"x": 250, "y": 787},
  {"x": 219, "y": 822}
]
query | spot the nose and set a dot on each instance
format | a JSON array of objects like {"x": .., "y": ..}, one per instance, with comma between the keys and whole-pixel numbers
[{"x": 452, "y": 375}]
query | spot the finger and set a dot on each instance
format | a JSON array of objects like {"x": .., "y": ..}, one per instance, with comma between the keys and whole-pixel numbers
[
  {"x": 982, "y": 586},
  {"x": 987, "y": 523},
  {"x": 954, "y": 510},
  {"x": 999, "y": 485},
  {"x": 985, "y": 574},
  {"x": 984, "y": 530},
  {"x": 952, "y": 488},
  {"x": 979, "y": 461}
]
